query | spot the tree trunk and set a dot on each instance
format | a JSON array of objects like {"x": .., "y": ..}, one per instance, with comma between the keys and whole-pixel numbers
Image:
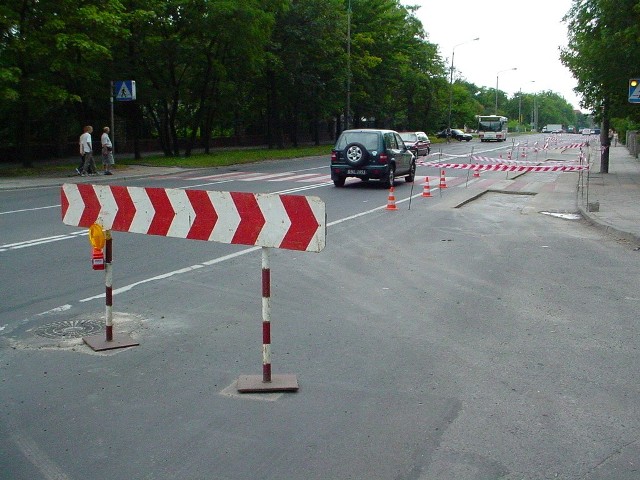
[{"x": 23, "y": 142}]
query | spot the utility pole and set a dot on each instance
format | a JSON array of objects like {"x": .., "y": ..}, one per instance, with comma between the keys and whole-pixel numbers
[
  {"x": 347, "y": 113},
  {"x": 604, "y": 137}
]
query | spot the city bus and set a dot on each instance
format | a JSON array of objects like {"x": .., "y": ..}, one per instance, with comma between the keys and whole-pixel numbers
[{"x": 492, "y": 128}]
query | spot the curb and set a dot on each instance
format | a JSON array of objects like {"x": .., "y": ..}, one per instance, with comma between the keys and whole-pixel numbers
[{"x": 608, "y": 228}]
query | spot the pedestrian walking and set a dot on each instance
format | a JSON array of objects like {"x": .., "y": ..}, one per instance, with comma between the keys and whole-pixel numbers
[
  {"x": 107, "y": 151},
  {"x": 86, "y": 152}
]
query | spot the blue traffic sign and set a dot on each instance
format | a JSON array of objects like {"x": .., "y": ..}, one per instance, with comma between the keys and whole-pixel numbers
[
  {"x": 125, "y": 90},
  {"x": 634, "y": 90}
]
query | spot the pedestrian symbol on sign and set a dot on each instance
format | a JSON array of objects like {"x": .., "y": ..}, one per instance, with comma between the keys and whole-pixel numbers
[{"x": 125, "y": 90}]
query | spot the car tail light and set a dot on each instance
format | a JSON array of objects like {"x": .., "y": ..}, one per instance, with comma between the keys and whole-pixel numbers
[
  {"x": 384, "y": 158},
  {"x": 334, "y": 157}
]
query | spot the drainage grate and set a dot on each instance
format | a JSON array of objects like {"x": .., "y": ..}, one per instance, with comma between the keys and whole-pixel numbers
[{"x": 70, "y": 329}]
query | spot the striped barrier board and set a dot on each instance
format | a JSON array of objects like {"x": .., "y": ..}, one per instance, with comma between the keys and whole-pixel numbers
[{"x": 291, "y": 222}]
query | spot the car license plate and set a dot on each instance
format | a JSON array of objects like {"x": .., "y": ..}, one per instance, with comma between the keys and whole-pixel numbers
[{"x": 356, "y": 172}]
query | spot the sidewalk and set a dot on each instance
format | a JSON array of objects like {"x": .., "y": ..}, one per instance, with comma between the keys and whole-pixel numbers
[
  {"x": 121, "y": 172},
  {"x": 610, "y": 201}
]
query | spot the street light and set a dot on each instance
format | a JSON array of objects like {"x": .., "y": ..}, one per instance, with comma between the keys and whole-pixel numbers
[
  {"x": 534, "y": 109},
  {"x": 348, "y": 106},
  {"x": 497, "y": 75},
  {"x": 453, "y": 53},
  {"x": 520, "y": 106}
]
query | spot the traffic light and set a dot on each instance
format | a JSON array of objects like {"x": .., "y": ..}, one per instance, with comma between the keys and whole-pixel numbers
[{"x": 634, "y": 90}]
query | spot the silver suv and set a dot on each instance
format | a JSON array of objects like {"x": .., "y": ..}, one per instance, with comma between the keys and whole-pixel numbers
[{"x": 371, "y": 154}]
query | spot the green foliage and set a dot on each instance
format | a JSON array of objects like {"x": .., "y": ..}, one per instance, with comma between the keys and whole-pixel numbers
[
  {"x": 279, "y": 69},
  {"x": 603, "y": 54},
  {"x": 624, "y": 125}
]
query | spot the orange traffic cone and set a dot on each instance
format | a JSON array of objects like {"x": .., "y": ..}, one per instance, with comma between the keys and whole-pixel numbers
[
  {"x": 476, "y": 173},
  {"x": 443, "y": 182},
  {"x": 391, "y": 202},
  {"x": 426, "y": 192}
]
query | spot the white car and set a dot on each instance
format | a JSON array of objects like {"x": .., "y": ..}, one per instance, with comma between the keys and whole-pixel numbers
[{"x": 586, "y": 131}]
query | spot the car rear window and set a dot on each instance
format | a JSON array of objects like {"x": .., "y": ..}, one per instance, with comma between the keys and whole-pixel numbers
[
  {"x": 368, "y": 139},
  {"x": 409, "y": 137}
]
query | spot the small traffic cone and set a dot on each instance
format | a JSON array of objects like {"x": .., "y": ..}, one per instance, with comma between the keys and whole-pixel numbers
[
  {"x": 426, "y": 192},
  {"x": 443, "y": 182},
  {"x": 391, "y": 202},
  {"x": 476, "y": 173}
]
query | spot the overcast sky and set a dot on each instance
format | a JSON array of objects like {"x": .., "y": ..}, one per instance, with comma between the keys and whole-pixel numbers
[{"x": 513, "y": 33}]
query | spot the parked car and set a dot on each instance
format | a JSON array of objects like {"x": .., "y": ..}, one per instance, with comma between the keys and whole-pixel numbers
[
  {"x": 455, "y": 133},
  {"x": 371, "y": 154},
  {"x": 417, "y": 142}
]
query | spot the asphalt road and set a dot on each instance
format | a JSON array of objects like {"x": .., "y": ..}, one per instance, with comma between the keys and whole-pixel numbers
[{"x": 432, "y": 342}]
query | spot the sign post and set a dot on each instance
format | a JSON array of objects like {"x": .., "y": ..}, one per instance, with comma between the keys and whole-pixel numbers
[
  {"x": 113, "y": 129},
  {"x": 122, "y": 91}
]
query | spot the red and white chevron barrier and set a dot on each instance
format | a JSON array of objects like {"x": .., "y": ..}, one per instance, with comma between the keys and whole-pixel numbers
[{"x": 291, "y": 222}]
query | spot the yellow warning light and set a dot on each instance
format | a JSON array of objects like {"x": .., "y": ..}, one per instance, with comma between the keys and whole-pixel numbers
[
  {"x": 633, "y": 82},
  {"x": 96, "y": 236}
]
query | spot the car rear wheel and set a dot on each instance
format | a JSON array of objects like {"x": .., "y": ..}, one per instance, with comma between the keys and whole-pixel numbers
[
  {"x": 391, "y": 178},
  {"x": 355, "y": 154},
  {"x": 339, "y": 181},
  {"x": 412, "y": 173}
]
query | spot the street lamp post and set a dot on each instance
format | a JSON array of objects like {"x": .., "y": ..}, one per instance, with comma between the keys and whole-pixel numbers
[
  {"x": 453, "y": 53},
  {"x": 519, "y": 108},
  {"x": 348, "y": 106},
  {"x": 497, "y": 75},
  {"x": 534, "y": 107}
]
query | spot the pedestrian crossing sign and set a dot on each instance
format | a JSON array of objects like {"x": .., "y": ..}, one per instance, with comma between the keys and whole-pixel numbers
[
  {"x": 125, "y": 90},
  {"x": 634, "y": 90}
]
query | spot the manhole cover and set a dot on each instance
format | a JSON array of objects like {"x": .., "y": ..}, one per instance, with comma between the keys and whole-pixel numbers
[{"x": 70, "y": 329}]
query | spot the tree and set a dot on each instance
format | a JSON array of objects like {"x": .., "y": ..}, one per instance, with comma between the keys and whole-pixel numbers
[
  {"x": 387, "y": 44},
  {"x": 53, "y": 54},
  {"x": 307, "y": 70},
  {"x": 185, "y": 53},
  {"x": 602, "y": 54}
]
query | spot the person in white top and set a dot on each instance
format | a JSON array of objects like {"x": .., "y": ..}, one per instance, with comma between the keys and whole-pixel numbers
[
  {"x": 107, "y": 151},
  {"x": 86, "y": 152}
]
